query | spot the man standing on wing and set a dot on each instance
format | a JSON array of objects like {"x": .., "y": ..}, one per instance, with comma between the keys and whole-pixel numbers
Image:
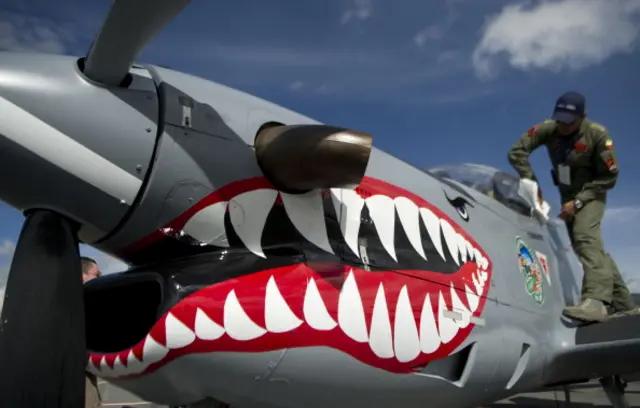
[{"x": 584, "y": 169}]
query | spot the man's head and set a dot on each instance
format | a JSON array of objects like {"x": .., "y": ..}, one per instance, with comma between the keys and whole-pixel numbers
[
  {"x": 569, "y": 112},
  {"x": 90, "y": 268}
]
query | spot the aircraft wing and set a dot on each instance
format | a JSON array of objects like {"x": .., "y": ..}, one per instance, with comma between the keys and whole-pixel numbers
[{"x": 600, "y": 350}]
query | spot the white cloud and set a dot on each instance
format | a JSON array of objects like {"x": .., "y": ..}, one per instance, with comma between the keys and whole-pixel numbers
[
  {"x": 282, "y": 57},
  {"x": 4, "y": 274},
  {"x": 296, "y": 85},
  {"x": 6, "y": 248},
  {"x": 622, "y": 214},
  {"x": 323, "y": 89},
  {"x": 430, "y": 33},
  {"x": 633, "y": 284},
  {"x": 437, "y": 31},
  {"x": 557, "y": 35},
  {"x": 107, "y": 263},
  {"x": 626, "y": 257},
  {"x": 20, "y": 33},
  {"x": 359, "y": 10}
]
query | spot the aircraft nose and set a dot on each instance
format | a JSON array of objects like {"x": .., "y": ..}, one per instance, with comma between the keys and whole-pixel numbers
[{"x": 70, "y": 146}]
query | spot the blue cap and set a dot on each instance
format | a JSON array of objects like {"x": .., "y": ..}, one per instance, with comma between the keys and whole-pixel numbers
[{"x": 569, "y": 107}]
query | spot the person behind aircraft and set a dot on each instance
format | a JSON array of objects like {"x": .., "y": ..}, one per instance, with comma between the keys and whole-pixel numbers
[
  {"x": 585, "y": 167},
  {"x": 92, "y": 399}
]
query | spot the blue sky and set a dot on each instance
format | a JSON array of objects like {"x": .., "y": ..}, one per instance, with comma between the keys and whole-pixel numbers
[{"x": 435, "y": 82}]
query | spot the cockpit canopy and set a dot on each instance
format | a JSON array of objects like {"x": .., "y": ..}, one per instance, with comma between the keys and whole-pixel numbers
[{"x": 490, "y": 181}]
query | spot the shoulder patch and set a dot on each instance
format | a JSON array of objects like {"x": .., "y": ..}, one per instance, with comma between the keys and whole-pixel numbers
[
  {"x": 608, "y": 144},
  {"x": 534, "y": 129},
  {"x": 612, "y": 165}
]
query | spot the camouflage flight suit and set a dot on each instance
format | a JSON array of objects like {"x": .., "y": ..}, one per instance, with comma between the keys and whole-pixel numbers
[{"x": 593, "y": 168}]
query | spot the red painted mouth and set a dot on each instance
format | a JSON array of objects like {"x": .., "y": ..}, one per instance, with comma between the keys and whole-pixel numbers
[{"x": 395, "y": 320}]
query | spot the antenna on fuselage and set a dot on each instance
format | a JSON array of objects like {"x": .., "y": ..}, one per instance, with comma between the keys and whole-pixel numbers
[{"x": 128, "y": 28}]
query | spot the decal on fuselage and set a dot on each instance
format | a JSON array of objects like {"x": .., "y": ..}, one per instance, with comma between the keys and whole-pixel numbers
[
  {"x": 544, "y": 263},
  {"x": 394, "y": 317},
  {"x": 531, "y": 270}
]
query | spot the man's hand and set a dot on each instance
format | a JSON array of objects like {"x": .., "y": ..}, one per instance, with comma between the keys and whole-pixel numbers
[
  {"x": 568, "y": 210},
  {"x": 540, "y": 200}
]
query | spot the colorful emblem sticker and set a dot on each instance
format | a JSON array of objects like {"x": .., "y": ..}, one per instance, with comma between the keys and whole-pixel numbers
[
  {"x": 545, "y": 265},
  {"x": 531, "y": 270}
]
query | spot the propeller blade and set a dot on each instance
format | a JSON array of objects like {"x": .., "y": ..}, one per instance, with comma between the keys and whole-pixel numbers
[
  {"x": 129, "y": 26},
  {"x": 42, "y": 328}
]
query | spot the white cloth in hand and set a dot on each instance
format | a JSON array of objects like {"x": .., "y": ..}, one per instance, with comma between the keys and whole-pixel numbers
[{"x": 528, "y": 190}]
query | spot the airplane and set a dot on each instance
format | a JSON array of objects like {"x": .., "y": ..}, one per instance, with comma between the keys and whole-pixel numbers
[{"x": 276, "y": 261}]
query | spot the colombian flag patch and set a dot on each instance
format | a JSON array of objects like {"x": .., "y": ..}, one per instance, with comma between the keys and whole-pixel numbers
[{"x": 608, "y": 144}]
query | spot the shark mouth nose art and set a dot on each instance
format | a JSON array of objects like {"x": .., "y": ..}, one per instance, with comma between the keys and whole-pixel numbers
[{"x": 411, "y": 295}]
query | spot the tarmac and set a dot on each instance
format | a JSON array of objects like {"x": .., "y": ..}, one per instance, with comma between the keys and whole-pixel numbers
[{"x": 588, "y": 395}]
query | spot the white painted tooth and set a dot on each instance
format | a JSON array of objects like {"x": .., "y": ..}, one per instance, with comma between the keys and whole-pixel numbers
[
  {"x": 406, "y": 339},
  {"x": 470, "y": 253},
  {"x": 348, "y": 205},
  {"x": 96, "y": 367},
  {"x": 315, "y": 312},
  {"x": 382, "y": 212},
  {"x": 477, "y": 284},
  {"x": 207, "y": 225},
  {"x": 178, "y": 334},
  {"x": 90, "y": 367},
  {"x": 459, "y": 307},
  {"x": 248, "y": 214},
  {"x": 152, "y": 351},
  {"x": 237, "y": 324},
  {"x": 134, "y": 366},
  {"x": 432, "y": 223},
  {"x": 429, "y": 338},
  {"x": 472, "y": 299},
  {"x": 351, "y": 312},
  {"x": 409, "y": 216},
  {"x": 451, "y": 238},
  {"x": 105, "y": 370},
  {"x": 205, "y": 328},
  {"x": 485, "y": 277},
  {"x": 477, "y": 256},
  {"x": 462, "y": 248},
  {"x": 118, "y": 368},
  {"x": 446, "y": 325},
  {"x": 482, "y": 277},
  {"x": 380, "y": 337},
  {"x": 484, "y": 264},
  {"x": 306, "y": 212},
  {"x": 278, "y": 316}
]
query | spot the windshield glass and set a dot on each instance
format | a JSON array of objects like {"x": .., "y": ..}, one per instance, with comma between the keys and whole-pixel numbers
[{"x": 487, "y": 180}]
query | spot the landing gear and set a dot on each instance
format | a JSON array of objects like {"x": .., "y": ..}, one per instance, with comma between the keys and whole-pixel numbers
[
  {"x": 567, "y": 395},
  {"x": 614, "y": 388},
  {"x": 42, "y": 330}
]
